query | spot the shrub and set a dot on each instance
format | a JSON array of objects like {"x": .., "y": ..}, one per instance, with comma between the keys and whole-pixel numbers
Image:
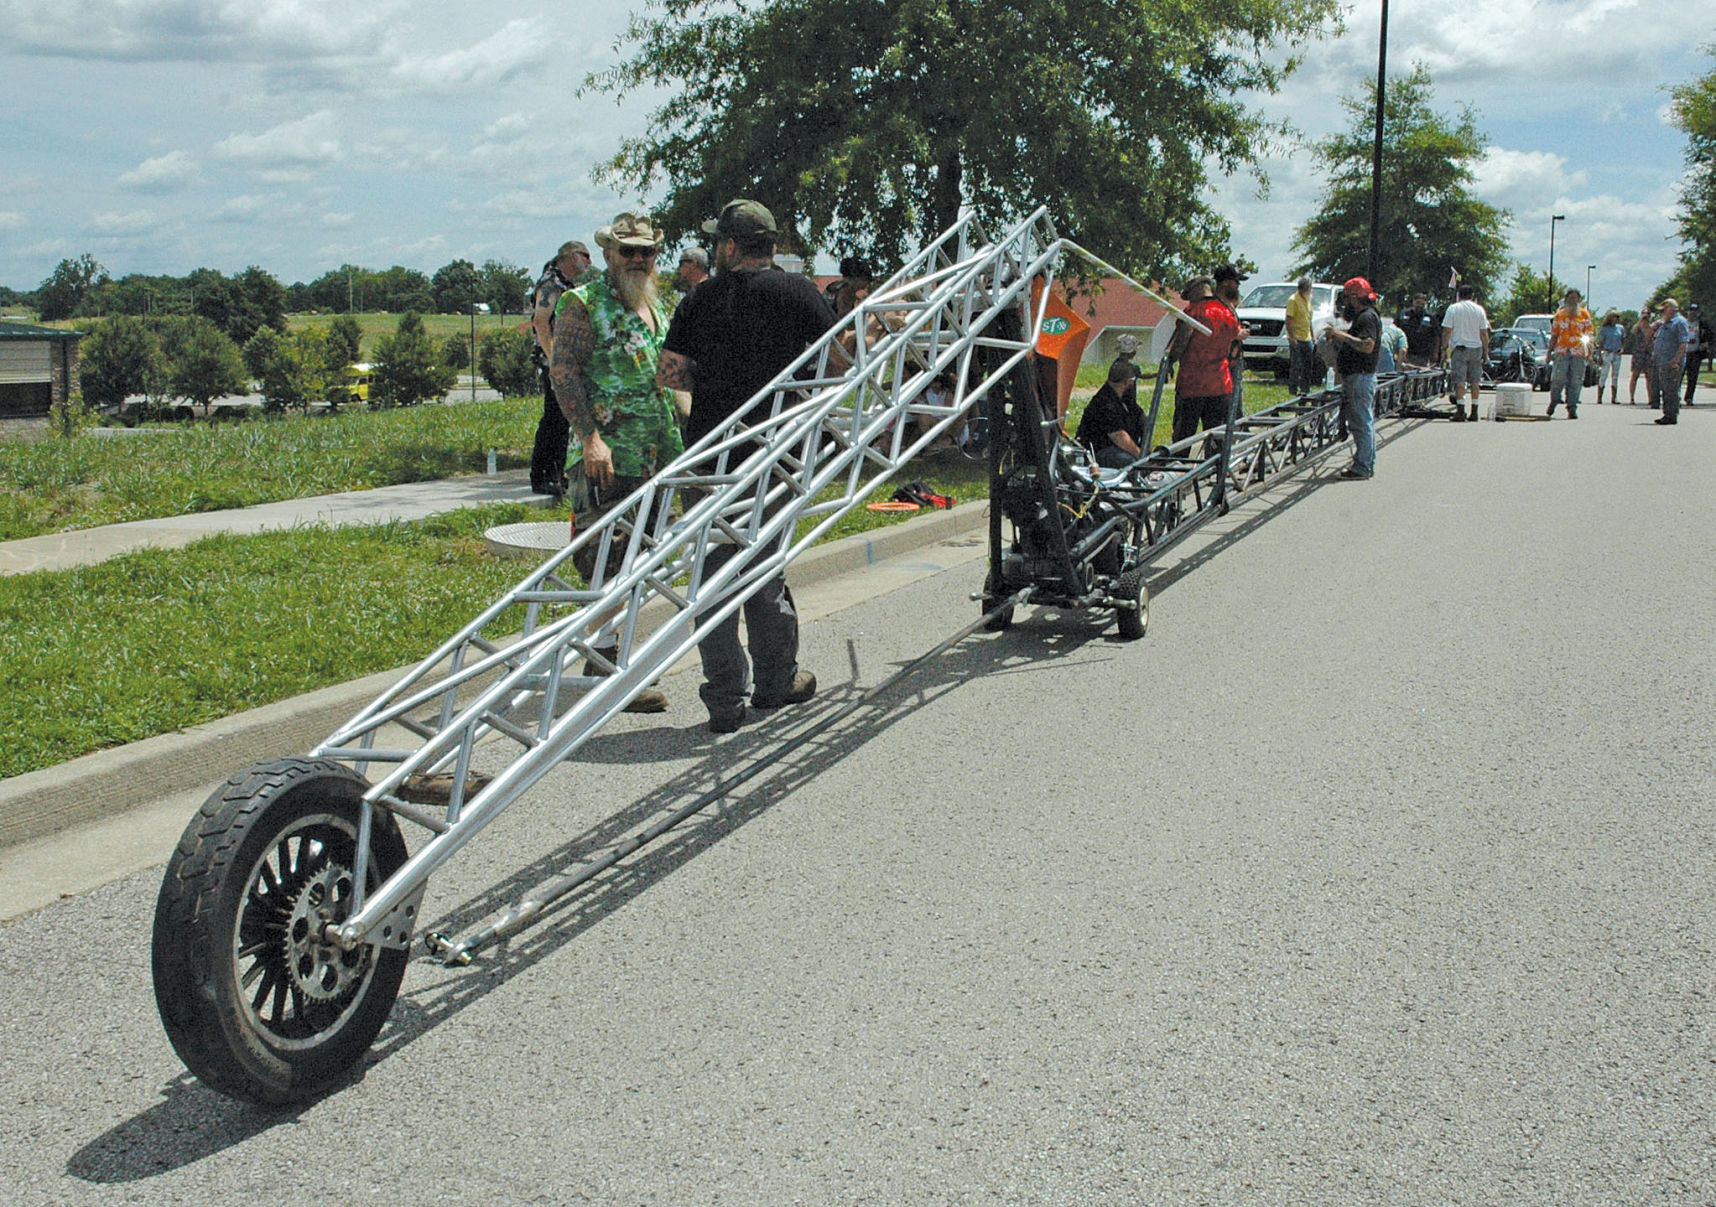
[
  {"x": 503, "y": 357},
  {"x": 408, "y": 369}
]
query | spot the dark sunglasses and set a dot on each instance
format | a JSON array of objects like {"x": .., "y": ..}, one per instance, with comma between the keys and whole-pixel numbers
[{"x": 636, "y": 253}]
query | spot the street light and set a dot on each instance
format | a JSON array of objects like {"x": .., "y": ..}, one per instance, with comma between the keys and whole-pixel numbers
[
  {"x": 1589, "y": 269},
  {"x": 1372, "y": 268},
  {"x": 476, "y": 309},
  {"x": 1553, "y": 219}
]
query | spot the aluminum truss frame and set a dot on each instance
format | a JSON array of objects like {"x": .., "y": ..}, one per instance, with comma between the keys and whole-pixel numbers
[{"x": 845, "y": 416}]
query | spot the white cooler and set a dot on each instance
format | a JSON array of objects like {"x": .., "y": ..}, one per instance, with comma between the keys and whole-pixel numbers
[{"x": 1511, "y": 398}]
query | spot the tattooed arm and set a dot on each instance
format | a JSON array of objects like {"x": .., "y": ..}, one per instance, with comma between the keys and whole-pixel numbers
[{"x": 574, "y": 341}]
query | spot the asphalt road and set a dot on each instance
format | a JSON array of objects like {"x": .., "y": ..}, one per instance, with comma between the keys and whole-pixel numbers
[{"x": 1378, "y": 872}]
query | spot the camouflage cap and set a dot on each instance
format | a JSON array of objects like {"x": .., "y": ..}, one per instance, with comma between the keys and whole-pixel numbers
[
  {"x": 741, "y": 218},
  {"x": 629, "y": 230}
]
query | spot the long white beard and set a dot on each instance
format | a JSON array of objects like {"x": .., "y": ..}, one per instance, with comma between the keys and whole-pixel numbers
[{"x": 636, "y": 289}]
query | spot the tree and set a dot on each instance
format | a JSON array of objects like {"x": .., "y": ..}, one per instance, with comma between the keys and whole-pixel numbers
[
  {"x": 258, "y": 301},
  {"x": 203, "y": 363},
  {"x": 408, "y": 369},
  {"x": 1430, "y": 220},
  {"x": 1109, "y": 112},
  {"x": 401, "y": 289},
  {"x": 503, "y": 357},
  {"x": 345, "y": 341},
  {"x": 299, "y": 369},
  {"x": 1527, "y": 294},
  {"x": 504, "y": 286},
  {"x": 1693, "y": 111},
  {"x": 456, "y": 351},
  {"x": 58, "y": 296},
  {"x": 456, "y": 286},
  {"x": 258, "y": 350},
  {"x": 119, "y": 357}
]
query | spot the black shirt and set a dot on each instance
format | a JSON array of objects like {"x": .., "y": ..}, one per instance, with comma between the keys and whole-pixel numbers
[
  {"x": 1421, "y": 327},
  {"x": 742, "y": 328},
  {"x": 1349, "y": 359},
  {"x": 1109, "y": 412}
]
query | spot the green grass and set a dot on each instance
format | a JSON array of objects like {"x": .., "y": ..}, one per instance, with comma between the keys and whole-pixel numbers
[
  {"x": 160, "y": 640},
  {"x": 59, "y": 485},
  {"x": 375, "y": 324}
]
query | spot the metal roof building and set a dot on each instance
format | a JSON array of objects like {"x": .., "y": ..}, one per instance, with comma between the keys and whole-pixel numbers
[{"x": 38, "y": 367}]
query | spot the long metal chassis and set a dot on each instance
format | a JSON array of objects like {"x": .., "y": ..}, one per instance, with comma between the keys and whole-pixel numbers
[
  {"x": 1175, "y": 491},
  {"x": 844, "y": 417}
]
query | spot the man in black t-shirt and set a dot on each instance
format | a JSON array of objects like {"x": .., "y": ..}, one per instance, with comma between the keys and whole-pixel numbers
[
  {"x": 729, "y": 338},
  {"x": 1112, "y": 427},
  {"x": 1423, "y": 328},
  {"x": 1355, "y": 363}
]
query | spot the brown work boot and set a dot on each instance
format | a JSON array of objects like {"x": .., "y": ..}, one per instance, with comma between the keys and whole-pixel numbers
[{"x": 803, "y": 688}]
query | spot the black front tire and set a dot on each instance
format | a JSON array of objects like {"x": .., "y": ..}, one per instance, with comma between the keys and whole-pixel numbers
[
  {"x": 1130, "y": 623},
  {"x": 254, "y": 1003}
]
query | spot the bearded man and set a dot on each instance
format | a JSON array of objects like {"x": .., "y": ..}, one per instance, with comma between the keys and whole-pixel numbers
[{"x": 607, "y": 341}]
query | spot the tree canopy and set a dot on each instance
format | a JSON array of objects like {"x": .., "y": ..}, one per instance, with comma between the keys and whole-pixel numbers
[
  {"x": 1693, "y": 111},
  {"x": 1431, "y": 223},
  {"x": 866, "y": 126}
]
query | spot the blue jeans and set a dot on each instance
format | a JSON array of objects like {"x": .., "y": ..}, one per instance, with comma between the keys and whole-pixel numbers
[
  {"x": 1566, "y": 378},
  {"x": 1358, "y": 393}
]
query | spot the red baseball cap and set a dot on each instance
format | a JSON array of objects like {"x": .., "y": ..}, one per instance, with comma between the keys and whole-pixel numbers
[{"x": 1359, "y": 287}]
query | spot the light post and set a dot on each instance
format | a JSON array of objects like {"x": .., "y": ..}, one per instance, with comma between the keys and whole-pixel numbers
[
  {"x": 1372, "y": 268},
  {"x": 1589, "y": 269},
  {"x": 1553, "y": 219},
  {"x": 476, "y": 309}
]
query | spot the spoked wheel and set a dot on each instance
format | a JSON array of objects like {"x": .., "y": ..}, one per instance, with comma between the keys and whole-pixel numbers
[
  {"x": 255, "y": 1003},
  {"x": 1129, "y": 622}
]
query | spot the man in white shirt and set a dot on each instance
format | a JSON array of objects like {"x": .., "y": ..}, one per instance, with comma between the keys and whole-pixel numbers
[{"x": 1465, "y": 336}]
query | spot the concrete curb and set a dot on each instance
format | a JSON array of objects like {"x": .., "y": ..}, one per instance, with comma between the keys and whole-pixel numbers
[{"x": 100, "y": 785}]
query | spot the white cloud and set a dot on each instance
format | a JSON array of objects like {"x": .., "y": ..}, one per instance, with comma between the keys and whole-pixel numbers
[
  {"x": 11, "y": 220},
  {"x": 337, "y": 221},
  {"x": 163, "y": 173},
  {"x": 519, "y": 44},
  {"x": 311, "y": 141},
  {"x": 137, "y": 222},
  {"x": 197, "y": 30}
]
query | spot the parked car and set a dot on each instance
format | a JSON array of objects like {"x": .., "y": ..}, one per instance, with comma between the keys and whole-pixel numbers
[
  {"x": 1264, "y": 310},
  {"x": 1534, "y": 322}
]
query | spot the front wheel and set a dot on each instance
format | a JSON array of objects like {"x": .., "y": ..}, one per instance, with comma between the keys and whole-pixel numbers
[
  {"x": 256, "y": 1004},
  {"x": 1130, "y": 623}
]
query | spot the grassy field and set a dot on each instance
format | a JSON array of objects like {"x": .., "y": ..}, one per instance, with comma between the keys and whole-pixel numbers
[
  {"x": 165, "y": 470},
  {"x": 375, "y": 324}
]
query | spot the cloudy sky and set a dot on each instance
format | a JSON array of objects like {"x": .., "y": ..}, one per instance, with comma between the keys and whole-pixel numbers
[{"x": 164, "y": 135}]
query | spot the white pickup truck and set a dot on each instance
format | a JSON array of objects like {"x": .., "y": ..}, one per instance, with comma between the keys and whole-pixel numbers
[{"x": 1264, "y": 310}]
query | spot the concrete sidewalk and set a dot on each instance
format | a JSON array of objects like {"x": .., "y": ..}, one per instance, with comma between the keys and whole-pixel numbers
[{"x": 412, "y": 501}]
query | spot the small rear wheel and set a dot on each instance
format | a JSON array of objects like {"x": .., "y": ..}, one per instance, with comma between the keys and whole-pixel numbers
[
  {"x": 1131, "y": 622},
  {"x": 256, "y": 1003}
]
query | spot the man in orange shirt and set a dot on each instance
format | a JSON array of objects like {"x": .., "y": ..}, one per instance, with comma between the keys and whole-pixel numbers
[{"x": 1569, "y": 348}]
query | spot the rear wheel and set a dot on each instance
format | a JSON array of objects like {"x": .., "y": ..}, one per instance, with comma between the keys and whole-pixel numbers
[{"x": 255, "y": 1002}]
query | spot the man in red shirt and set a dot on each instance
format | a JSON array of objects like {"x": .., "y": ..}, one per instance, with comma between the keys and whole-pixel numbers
[{"x": 1205, "y": 380}]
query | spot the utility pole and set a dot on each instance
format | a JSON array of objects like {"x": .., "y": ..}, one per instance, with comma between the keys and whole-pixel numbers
[{"x": 1373, "y": 260}]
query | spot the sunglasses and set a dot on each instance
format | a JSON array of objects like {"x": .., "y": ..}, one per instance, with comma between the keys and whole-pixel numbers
[{"x": 636, "y": 253}]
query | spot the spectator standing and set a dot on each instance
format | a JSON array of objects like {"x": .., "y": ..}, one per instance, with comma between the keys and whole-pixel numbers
[
  {"x": 1304, "y": 367},
  {"x": 1466, "y": 331},
  {"x": 1639, "y": 338},
  {"x": 1611, "y": 339},
  {"x": 1698, "y": 351},
  {"x": 1423, "y": 331},
  {"x": 1569, "y": 349},
  {"x": 608, "y": 337},
  {"x": 1391, "y": 345},
  {"x": 1227, "y": 279},
  {"x": 548, "y": 452},
  {"x": 1112, "y": 426},
  {"x": 1204, "y": 383},
  {"x": 693, "y": 269},
  {"x": 1668, "y": 361},
  {"x": 728, "y": 340},
  {"x": 1355, "y": 363}
]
